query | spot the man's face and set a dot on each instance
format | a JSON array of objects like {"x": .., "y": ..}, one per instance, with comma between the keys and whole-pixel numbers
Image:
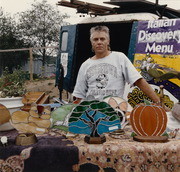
[{"x": 100, "y": 42}]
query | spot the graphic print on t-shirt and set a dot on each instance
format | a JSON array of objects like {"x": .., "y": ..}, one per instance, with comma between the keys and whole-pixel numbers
[
  {"x": 102, "y": 81},
  {"x": 102, "y": 75}
]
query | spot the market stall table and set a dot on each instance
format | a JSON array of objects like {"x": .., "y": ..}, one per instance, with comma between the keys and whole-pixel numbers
[{"x": 54, "y": 152}]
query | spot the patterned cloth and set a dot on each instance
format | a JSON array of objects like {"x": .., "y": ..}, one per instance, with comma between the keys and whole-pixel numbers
[
  {"x": 54, "y": 152},
  {"x": 126, "y": 155}
]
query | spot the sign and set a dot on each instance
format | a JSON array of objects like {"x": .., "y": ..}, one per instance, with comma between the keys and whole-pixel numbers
[
  {"x": 159, "y": 37},
  {"x": 64, "y": 62},
  {"x": 157, "y": 53}
]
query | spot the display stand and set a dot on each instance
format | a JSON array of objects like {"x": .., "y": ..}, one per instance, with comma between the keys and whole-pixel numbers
[
  {"x": 154, "y": 139},
  {"x": 95, "y": 140}
]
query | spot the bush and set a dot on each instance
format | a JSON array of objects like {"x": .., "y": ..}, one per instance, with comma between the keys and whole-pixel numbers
[{"x": 12, "y": 84}]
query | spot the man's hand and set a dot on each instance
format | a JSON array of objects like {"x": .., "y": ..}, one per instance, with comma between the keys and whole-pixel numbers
[{"x": 77, "y": 100}]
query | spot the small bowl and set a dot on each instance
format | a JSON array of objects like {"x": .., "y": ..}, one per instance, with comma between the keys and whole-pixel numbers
[{"x": 25, "y": 139}]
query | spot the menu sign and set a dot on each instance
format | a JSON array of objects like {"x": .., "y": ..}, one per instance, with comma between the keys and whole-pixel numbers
[{"x": 158, "y": 37}]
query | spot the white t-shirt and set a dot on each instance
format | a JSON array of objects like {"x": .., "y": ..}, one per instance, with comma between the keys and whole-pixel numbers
[{"x": 105, "y": 77}]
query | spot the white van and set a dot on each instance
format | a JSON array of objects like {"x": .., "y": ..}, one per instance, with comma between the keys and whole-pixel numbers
[{"x": 150, "y": 39}]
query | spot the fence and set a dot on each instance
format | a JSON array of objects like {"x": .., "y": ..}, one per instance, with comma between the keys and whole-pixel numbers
[{"x": 34, "y": 66}]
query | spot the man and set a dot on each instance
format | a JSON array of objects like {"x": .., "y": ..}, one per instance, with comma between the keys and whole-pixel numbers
[{"x": 106, "y": 73}]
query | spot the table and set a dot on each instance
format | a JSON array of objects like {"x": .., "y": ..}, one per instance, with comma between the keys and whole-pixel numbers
[
  {"x": 50, "y": 154},
  {"x": 54, "y": 152}
]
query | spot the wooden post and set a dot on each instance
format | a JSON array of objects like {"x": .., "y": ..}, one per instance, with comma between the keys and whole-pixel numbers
[{"x": 31, "y": 64}]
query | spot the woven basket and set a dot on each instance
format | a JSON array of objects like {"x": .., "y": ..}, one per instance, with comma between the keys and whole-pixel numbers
[{"x": 25, "y": 139}]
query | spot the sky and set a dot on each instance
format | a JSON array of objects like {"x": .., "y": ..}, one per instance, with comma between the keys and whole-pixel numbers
[{"x": 14, "y": 6}]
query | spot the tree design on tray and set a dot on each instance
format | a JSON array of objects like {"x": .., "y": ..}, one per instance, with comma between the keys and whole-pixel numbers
[{"x": 93, "y": 118}]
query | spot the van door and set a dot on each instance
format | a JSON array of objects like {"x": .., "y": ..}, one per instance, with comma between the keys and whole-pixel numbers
[{"x": 64, "y": 64}]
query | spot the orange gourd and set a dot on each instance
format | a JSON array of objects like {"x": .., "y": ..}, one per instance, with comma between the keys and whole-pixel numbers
[
  {"x": 4, "y": 114},
  {"x": 148, "y": 120}
]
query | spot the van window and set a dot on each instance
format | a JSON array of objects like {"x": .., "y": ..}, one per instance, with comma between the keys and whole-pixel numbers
[{"x": 64, "y": 41}]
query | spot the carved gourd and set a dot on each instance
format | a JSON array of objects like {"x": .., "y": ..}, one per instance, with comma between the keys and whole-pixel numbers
[{"x": 148, "y": 120}]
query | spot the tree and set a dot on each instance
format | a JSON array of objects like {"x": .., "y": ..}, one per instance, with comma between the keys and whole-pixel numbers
[
  {"x": 93, "y": 118},
  {"x": 9, "y": 39},
  {"x": 40, "y": 27}
]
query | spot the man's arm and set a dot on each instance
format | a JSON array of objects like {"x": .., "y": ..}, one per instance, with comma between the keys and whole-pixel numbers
[{"x": 147, "y": 89}]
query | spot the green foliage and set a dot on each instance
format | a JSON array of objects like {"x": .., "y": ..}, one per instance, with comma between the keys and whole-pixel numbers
[
  {"x": 26, "y": 75},
  {"x": 12, "y": 84},
  {"x": 9, "y": 39},
  {"x": 40, "y": 27},
  {"x": 165, "y": 134},
  {"x": 133, "y": 134}
]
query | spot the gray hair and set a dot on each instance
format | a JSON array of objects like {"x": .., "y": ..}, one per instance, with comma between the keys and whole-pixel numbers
[{"x": 99, "y": 29}]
